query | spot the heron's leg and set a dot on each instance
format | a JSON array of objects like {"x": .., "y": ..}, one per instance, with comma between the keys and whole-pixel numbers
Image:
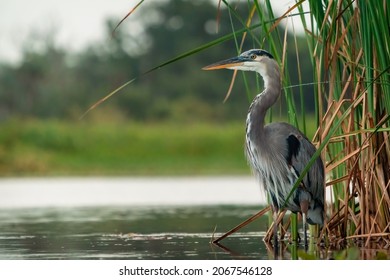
[
  {"x": 304, "y": 229},
  {"x": 275, "y": 218},
  {"x": 304, "y": 208}
]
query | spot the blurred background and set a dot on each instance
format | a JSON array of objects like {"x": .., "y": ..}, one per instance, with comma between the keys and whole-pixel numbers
[
  {"x": 170, "y": 150},
  {"x": 58, "y": 58}
]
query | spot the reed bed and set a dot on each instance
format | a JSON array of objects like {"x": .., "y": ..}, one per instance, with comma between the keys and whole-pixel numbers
[{"x": 349, "y": 45}]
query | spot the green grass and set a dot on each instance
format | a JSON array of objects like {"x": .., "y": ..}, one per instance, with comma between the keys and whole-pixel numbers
[
  {"x": 57, "y": 148},
  {"x": 60, "y": 148}
]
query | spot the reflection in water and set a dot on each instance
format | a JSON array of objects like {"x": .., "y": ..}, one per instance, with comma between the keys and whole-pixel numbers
[
  {"x": 140, "y": 233},
  {"x": 127, "y": 233}
]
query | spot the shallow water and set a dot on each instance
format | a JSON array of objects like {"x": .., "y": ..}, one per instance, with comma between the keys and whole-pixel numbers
[
  {"x": 137, "y": 191},
  {"x": 127, "y": 233},
  {"x": 136, "y": 218},
  {"x": 127, "y": 218}
]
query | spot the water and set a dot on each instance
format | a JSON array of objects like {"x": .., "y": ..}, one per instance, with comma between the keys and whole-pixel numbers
[
  {"x": 106, "y": 191},
  {"x": 126, "y": 233},
  {"x": 128, "y": 218},
  {"x": 136, "y": 218}
]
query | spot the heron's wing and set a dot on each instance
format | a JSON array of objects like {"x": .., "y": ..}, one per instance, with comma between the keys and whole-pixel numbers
[{"x": 299, "y": 152}]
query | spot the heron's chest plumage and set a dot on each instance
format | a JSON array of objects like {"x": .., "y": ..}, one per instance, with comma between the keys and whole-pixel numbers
[{"x": 266, "y": 153}]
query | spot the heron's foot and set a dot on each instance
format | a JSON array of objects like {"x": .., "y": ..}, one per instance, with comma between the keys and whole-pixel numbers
[
  {"x": 290, "y": 238},
  {"x": 301, "y": 240}
]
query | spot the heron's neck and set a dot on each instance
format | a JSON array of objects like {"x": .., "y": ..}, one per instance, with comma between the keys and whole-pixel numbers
[{"x": 262, "y": 102}]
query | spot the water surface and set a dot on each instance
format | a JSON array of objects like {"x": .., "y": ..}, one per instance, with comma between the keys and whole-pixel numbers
[
  {"x": 113, "y": 191},
  {"x": 135, "y": 218},
  {"x": 128, "y": 218},
  {"x": 127, "y": 233}
]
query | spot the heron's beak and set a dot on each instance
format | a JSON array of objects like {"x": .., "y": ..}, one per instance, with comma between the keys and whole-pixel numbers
[{"x": 227, "y": 63}]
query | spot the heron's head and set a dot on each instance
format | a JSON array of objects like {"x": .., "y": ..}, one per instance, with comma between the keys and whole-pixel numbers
[{"x": 252, "y": 60}]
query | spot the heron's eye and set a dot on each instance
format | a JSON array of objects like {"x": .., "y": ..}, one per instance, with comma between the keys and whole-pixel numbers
[{"x": 253, "y": 56}]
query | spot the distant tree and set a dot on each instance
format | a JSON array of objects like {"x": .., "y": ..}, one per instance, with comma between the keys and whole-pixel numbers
[{"x": 53, "y": 83}]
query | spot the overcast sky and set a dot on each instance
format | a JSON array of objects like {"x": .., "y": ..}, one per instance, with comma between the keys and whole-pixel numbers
[{"x": 76, "y": 23}]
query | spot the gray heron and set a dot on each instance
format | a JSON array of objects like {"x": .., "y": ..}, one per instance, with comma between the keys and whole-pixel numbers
[{"x": 278, "y": 152}]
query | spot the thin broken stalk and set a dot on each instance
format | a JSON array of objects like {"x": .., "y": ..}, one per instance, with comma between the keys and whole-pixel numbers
[{"x": 243, "y": 224}]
